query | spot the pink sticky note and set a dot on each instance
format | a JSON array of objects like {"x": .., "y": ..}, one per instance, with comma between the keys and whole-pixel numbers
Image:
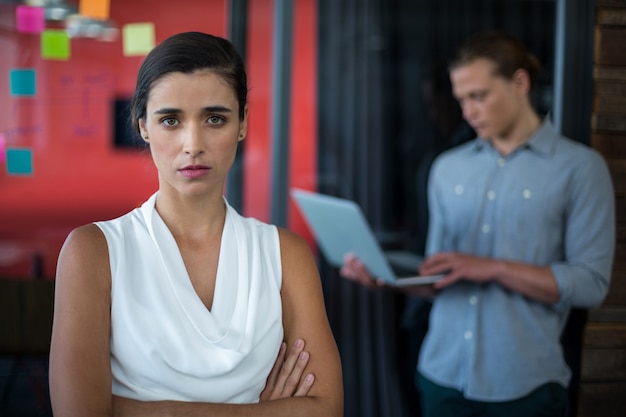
[
  {"x": 29, "y": 19},
  {"x": 3, "y": 148}
]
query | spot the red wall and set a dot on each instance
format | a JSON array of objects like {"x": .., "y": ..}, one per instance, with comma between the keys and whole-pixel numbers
[
  {"x": 78, "y": 176},
  {"x": 303, "y": 116}
]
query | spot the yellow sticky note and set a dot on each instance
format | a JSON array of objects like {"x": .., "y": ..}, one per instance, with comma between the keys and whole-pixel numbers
[
  {"x": 55, "y": 44},
  {"x": 138, "y": 38},
  {"x": 96, "y": 9}
]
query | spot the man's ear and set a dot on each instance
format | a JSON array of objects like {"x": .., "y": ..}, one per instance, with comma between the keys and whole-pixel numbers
[{"x": 521, "y": 80}]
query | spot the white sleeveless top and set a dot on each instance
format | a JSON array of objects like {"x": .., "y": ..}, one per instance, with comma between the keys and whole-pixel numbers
[{"x": 165, "y": 343}]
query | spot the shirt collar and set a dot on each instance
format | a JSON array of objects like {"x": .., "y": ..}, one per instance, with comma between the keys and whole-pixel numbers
[{"x": 542, "y": 141}]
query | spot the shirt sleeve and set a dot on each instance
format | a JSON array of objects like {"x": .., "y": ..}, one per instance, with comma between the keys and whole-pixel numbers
[{"x": 583, "y": 279}]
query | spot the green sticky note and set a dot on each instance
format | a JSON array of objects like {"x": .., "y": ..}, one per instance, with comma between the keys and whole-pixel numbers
[
  {"x": 19, "y": 161},
  {"x": 138, "y": 38},
  {"x": 55, "y": 44},
  {"x": 22, "y": 82}
]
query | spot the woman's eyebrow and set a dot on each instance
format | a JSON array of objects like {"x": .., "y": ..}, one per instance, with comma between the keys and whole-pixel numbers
[
  {"x": 216, "y": 109},
  {"x": 167, "y": 110},
  {"x": 208, "y": 109}
]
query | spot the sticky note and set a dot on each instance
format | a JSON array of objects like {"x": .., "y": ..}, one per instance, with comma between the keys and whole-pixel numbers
[
  {"x": 96, "y": 9},
  {"x": 55, "y": 44},
  {"x": 3, "y": 148},
  {"x": 138, "y": 38},
  {"x": 19, "y": 161},
  {"x": 22, "y": 82},
  {"x": 29, "y": 19}
]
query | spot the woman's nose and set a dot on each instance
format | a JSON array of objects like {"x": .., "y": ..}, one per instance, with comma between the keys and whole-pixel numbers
[{"x": 192, "y": 141}]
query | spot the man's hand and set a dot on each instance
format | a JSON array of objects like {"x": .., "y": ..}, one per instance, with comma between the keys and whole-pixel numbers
[
  {"x": 285, "y": 380},
  {"x": 354, "y": 270},
  {"x": 536, "y": 282},
  {"x": 457, "y": 266}
]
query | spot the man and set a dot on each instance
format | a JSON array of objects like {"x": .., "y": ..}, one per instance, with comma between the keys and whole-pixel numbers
[{"x": 522, "y": 222}]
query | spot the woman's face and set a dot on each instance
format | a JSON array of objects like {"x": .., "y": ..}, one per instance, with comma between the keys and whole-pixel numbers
[{"x": 192, "y": 125}]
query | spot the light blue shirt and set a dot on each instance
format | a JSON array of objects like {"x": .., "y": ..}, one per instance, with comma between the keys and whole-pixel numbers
[{"x": 550, "y": 202}]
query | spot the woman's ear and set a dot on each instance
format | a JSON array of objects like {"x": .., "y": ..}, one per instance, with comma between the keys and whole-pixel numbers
[
  {"x": 142, "y": 130},
  {"x": 243, "y": 125}
]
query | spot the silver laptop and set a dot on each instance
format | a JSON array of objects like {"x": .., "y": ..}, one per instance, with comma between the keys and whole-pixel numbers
[{"x": 340, "y": 227}]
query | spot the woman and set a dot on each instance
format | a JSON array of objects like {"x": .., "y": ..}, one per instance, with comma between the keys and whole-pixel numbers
[{"x": 180, "y": 307}]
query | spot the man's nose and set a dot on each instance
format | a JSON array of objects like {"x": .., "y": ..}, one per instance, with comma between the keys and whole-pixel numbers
[{"x": 469, "y": 111}]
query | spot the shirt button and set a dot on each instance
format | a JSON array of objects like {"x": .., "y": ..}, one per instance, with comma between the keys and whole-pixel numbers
[
  {"x": 486, "y": 228},
  {"x": 468, "y": 335},
  {"x": 473, "y": 300},
  {"x": 527, "y": 193},
  {"x": 458, "y": 189},
  {"x": 501, "y": 162},
  {"x": 491, "y": 195}
]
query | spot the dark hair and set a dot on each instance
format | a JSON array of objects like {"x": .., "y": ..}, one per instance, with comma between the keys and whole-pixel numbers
[
  {"x": 188, "y": 52},
  {"x": 506, "y": 51}
]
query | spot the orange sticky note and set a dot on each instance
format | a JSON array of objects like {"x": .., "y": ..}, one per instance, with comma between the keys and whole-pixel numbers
[{"x": 96, "y": 9}]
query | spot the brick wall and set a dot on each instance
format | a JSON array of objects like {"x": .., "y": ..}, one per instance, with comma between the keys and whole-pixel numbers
[{"x": 603, "y": 380}]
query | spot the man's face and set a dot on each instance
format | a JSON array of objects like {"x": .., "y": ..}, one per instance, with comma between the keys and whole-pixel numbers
[{"x": 491, "y": 104}]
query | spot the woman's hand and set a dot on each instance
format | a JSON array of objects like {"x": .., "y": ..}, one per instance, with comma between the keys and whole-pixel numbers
[{"x": 285, "y": 379}]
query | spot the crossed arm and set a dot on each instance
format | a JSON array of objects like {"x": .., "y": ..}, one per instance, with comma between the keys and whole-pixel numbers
[{"x": 307, "y": 379}]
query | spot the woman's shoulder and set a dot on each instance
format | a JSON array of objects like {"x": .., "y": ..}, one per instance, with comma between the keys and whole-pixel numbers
[
  {"x": 292, "y": 246},
  {"x": 291, "y": 241},
  {"x": 84, "y": 256},
  {"x": 84, "y": 238},
  {"x": 85, "y": 244},
  {"x": 295, "y": 252}
]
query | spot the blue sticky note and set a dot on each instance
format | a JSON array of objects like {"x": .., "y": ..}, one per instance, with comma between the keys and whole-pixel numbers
[
  {"x": 19, "y": 161},
  {"x": 22, "y": 82}
]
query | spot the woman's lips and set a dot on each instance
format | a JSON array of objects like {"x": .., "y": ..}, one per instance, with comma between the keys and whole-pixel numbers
[{"x": 194, "y": 171}]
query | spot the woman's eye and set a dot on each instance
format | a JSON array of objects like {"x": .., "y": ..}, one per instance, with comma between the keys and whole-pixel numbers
[
  {"x": 169, "y": 122},
  {"x": 215, "y": 120}
]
